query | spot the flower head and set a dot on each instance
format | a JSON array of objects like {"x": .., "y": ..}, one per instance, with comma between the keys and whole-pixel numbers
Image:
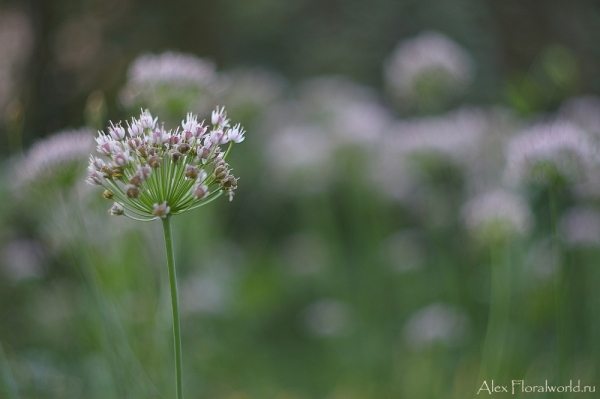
[
  {"x": 497, "y": 215},
  {"x": 154, "y": 173},
  {"x": 170, "y": 83},
  {"x": 549, "y": 152},
  {"x": 427, "y": 68},
  {"x": 56, "y": 158}
]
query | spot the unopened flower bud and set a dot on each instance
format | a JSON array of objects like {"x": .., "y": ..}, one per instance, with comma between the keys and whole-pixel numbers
[
  {"x": 136, "y": 180},
  {"x": 184, "y": 148},
  {"x": 142, "y": 151},
  {"x": 191, "y": 171},
  {"x": 161, "y": 210},
  {"x": 221, "y": 172},
  {"x": 132, "y": 191},
  {"x": 107, "y": 170},
  {"x": 108, "y": 194},
  {"x": 152, "y": 151},
  {"x": 117, "y": 171},
  {"x": 116, "y": 210},
  {"x": 176, "y": 156},
  {"x": 219, "y": 162},
  {"x": 154, "y": 162},
  {"x": 230, "y": 183}
]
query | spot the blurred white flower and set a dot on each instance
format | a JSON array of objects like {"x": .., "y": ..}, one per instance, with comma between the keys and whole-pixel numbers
[
  {"x": 51, "y": 156},
  {"x": 497, "y": 215},
  {"x": 456, "y": 134},
  {"x": 427, "y": 68},
  {"x": 300, "y": 158},
  {"x": 580, "y": 226},
  {"x": 171, "y": 67},
  {"x": 169, "y": 80},
  {"x": 251, "y": 90},
  {"x": 327, "y": 318},
  {"x": 350, "y": 112},
  {"x": 583, "y": 111},
  {"x": 548, "y": 152},
  {"x": 456, "y": 137},
  {"x": 436, "y": 323}
]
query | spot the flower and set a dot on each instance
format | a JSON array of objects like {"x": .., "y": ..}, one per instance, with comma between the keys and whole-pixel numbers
[
  {"x": 55, "y": 159},
  {"x": 170, "y": 82},
  {"x": 438, "y": 322},
  {"x": 155, "y": 173},
  {"x": 428, "y": 67},
  {"x": 550, "y": 152},
  {"x": 580, "y": 227},
  {"x": 497, "y": 215}
]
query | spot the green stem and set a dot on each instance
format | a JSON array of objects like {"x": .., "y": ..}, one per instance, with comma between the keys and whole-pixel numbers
[
  {"x": 559, "y": 282},
  {"x": 495, "y": 337},
  {"x": 9, "y": 380},
  {"x": 175, "y": 303}
]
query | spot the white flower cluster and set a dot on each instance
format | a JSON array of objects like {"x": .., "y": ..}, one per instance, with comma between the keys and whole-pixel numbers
[
  {"x": 164, "y": 172},
  {"x": 171, "y": 67},
  {"x": 455, "y": 135},
  {"x": 580, "y": 227},
  {"x": 436, "y": 323},
  {"x": 419, "y": 58},
  {"x": 159, "y": 80},
  {"x": 497, "y": 215},
  {"x": 53, "y": 155},
  {"x": 548, "y": 152}
]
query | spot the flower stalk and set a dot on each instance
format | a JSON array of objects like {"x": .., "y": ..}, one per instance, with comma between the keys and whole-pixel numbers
[
  {"x": 152, "y": 173},
  {"x": 166, "y": 222}
]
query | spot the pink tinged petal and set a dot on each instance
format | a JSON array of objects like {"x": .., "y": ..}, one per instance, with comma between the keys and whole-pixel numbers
[
  {"x": 146, "y": 120},
  {"x": 202, "y": 176},
  {"x": 122, "y": 158},
  {"x": 135, "y": 129},
  {"x": 117, "y": 132},
  {"x": 200, "y": 192},
  {"x": 95, "y": 177},
  {"x": 145, "y": 172}
]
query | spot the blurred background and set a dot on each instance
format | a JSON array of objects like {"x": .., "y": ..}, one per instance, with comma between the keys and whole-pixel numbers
[{"x": 418, "y": 209}]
